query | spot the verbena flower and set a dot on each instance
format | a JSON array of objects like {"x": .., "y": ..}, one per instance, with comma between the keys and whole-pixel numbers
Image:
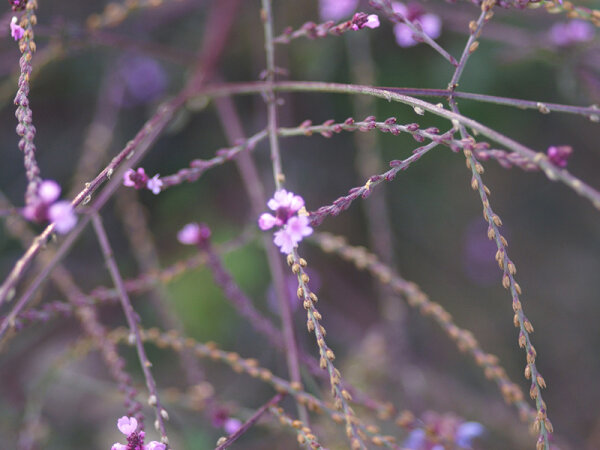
[
  {"x": 46, "y": 208},
  {"x": 135, "y": 440},
  {"x": 571, "y": 33},
  {"x": 336, "y": 9},
  {"x": 155, "y": 184},
  {"x": 362, "y": 20},
  {"x": 194, "y": 234},
  {"x": 232, "y": 425},
  {"x": 430, "y": 24},
  {"x": 16, "y": 30},
  {"x": 294, "y": 227},
  {"x": 139, "y": 180},
  {"x": 558, "y": 155}
]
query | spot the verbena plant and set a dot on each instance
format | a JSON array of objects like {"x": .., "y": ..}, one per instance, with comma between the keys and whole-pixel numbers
[{"x": 105, "y": 268}]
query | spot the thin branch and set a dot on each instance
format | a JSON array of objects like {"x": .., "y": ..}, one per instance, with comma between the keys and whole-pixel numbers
[
  {"x": 132, "y": 322},
  {"x": 250, "y": 422}
]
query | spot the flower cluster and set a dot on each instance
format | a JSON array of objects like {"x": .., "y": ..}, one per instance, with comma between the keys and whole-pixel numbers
[
  {"x": 558, "y": 155},
  {"x": 294, "y": 227},
  {"x": 16, "y": 30},
  {"x": 46, "y": 208},
  {"x": 18, "y": 5},
  {"x": 570, "y": 33},
  {"x": 194, "y": 234},
  {"x": 135, "y": 440},
  {"x": 139, "y": 180},
  {"x": 430, "y": 24},
  {"x": 362, "y": 20}
]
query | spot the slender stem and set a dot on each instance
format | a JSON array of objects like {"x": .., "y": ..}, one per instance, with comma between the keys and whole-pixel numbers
[
  {"x": 251, "y": 421},
  {"x": 230, "y": 120},
  {"x": 267, "y": 18},
  {"x": 132, "y": 322},
  {"x": 540, "y": 159}
]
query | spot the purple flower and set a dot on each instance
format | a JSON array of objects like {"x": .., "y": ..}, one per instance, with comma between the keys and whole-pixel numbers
[
  {"x": 16, "y": 31},
  {"x": 117, "y": 446},
  {"x": 153, "y": 445},
  {"x": 430, "y": 24},
  {"x": 570, "y": 33},
  {"x": 63, "y": 216},
  {"x": 144, "y": 79},
  {"x": 135, "y": 178},
  {"x": 127, "y": 425},
  {"x": 286, "y": 205},
  {"x": 336, "y": 9},
  {"x": 46, "y": 208},
  {"x": 361, "y": 20},
  {"x": 49, "y": 191},
  {"x": 559, "y": 155},
  {"x": 232, "y": 425},
  {"x": 194, "y": 234},
  {"x": 466, "y": 432},
  {"x": 154, "y": 184}
]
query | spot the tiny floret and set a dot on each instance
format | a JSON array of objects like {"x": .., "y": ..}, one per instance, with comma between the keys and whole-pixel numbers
[
  {"x": 558, "y": 155},
  {"x": 49, "y": 191},
  {"x": 118, "y": 446},
  {"x": 232, "y": 425},
  {"x": 127, "y": 425},
  {"x": 362, "y": 20},
  {"x": 294, "y": 227},
  {"x": 135, "y": 178},
  {"x": 62, "y": 215},
  {"x": 153, "y": 445},
  {"x": 194, "y": 234},
  {"x": 155, "y": 184},
  {"x": 16, "y": 31}
]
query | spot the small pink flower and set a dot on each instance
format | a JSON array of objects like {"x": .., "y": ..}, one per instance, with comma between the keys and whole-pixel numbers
[
  {"x": 558, "y": 155},
  {"x": 135, "y": 178},
  {"x": 285, "y": 199},
  {"x": 118, "y": 446},
  {"x": 232, "y": 425},
  {"x": 194, "y": 234},
  {"x": 430, "y": 24},
  {"x": 16, "y": 31},
  {"x": 49, "y": 191},
  {"x": 63, "y": 217},
  {"x": 570, "y": 33},
  {"x": 298, "y": 227},
  {"x": 153, "y": 445},
  {"x": 127, "y": 425},
  {"x": 361, "y": 20},
  {"x": 284, "y": 241},
  {"x": 267, "y": 221},
  {"x": 154, "y": 184},
  {"x": 336, "y": 9}
]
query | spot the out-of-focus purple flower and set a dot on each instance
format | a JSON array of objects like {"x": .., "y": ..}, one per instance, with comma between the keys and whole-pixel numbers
[
  {"x": 298, "y": 227},
  {"x": 155, "y": 184},
  {"x": 284, "y": 200},
  {"x": 267, "y": 221},
  {"x": 466, "y": 432},
  {"x": 127, "y": 425},
  {"x": 558, "y": 155},
  {"x": 232, "y": 425},
  {"x": 194, "y": 234},
  {"x": 336, "y": 9},
  {"x": 16, "y": 30},
  {"x": 144, "y": 80},
  {"x": 46, "y": 208},
  {"x": 415, "y": 440},
  {"x": 49, "y": 191},
  {"x": 431, "y": 24},
  {"x": 153, "y": 445},
  {"x": 63, "y": 216},
  {"x": 571, "y": 33},
  {"x": 18, "y": 5},
  {"x": 362, "y": 20},
  {"x": 117, "y": 446}
]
